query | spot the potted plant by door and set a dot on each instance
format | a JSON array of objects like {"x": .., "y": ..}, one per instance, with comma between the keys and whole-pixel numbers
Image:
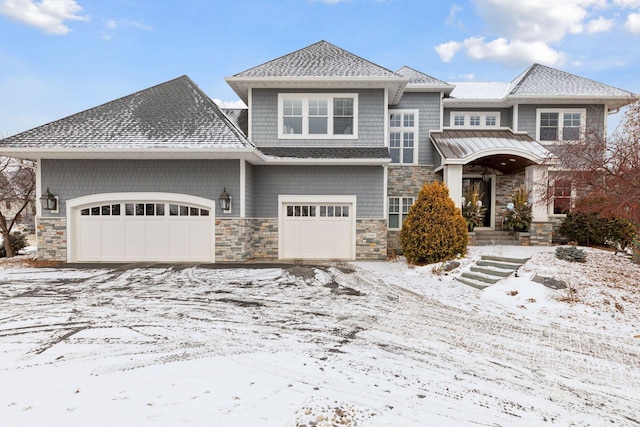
[
  {"x": 518, "y": 211},
  {"x": 472, "y": 209}
]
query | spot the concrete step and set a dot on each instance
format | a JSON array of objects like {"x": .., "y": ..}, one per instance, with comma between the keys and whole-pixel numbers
[
  {"x": 495, "y": 242},
  {"x": 503, "y": 265},
  {"x": 505, "y": 259},
  {"x": 498, "y": 272},
  {"x": 472, "y": 283},
  {"x": 492, "y": 280}
]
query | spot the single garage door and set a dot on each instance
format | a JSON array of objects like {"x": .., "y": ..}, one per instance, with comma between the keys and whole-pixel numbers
[
  {"x": 143, "y": 230},
  {"x": 321, "y": 230}
]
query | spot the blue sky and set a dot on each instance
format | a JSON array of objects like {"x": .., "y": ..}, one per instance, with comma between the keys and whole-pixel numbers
[{"x": 59, "y": 57}]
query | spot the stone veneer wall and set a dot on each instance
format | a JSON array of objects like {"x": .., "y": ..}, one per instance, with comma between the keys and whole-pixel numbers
[
  {"x": 233, "y": 239},
  {"x": 52, "y": 238},
  {"x": 406, "y": 181},
  {"x": 541, "y": 233},
  {"x": 505, "y": 186},
  {"x": 371, "y": 239},
  {"x": 265, "y": 238}
]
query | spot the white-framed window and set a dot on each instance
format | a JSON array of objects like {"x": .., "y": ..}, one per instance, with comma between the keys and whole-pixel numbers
[
  {"x": 398, "y": 210},
  {"x": 563, "y": 196},
  {"x": 474, "y": 119},
  {"x": 318, "y": 116},
  {"x": 555, "y": 125},
  {"x": 403, "y": 136}
]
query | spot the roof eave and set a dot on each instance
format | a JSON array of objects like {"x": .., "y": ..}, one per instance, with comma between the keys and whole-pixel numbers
[
  {"x": 395, "y": 85},
  {"x": 129, "y": 153}
]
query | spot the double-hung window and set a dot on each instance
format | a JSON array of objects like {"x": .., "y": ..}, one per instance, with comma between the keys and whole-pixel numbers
[
  {"x": 403, "y": 136},
  {"x": 560, "y": 125},
  {"x": 318, "y": 116},
  {"x": 398, "y": 210},
  {"x": 562, "y": 196}
]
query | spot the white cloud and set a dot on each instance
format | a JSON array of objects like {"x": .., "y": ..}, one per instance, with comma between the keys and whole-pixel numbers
[
  {"x": 448, "y": 50},
  {"x": 631, "y": 4},
  {"x": 112, "y": 25},
  {"x": 599, "y": 25},
  {"x": 452, "y": 19},
  {"x": 529, "y": 31},
  {"x": 516, "y": 51},
  {"x": 47, "y": 15},
  {"x": 633, "y": 23}
]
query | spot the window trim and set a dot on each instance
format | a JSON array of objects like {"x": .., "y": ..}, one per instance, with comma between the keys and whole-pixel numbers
[
  {"x": 552, "y": 204},
  {"x": 402, "y": 129},
  {"x": 401, "y": 213},
  {"x": 561, "y": 112},
  {"x": 467, "y": 119},
  {"x": 305, "y": 97}
]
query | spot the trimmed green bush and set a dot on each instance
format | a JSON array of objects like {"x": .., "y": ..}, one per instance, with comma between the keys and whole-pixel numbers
[
  {"x": 435, "y": 229},
  {"x": 592, "y": 229},
  {"x": 18, "y": 242}
]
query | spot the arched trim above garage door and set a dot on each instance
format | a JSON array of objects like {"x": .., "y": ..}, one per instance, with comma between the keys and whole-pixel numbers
[{"x": 77, "y": 209}]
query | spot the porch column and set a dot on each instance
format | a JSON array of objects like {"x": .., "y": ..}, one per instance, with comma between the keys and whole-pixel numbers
[
  {"x": 453, "y": 180},
  {"x": 536, "y": 178}
]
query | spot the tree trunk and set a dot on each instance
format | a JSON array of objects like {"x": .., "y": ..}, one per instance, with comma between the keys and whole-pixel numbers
[{"x": 7, "y": 245}]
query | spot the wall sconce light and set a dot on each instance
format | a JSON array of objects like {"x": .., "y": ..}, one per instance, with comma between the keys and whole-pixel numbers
[
  {"x": 49, "y": 201},
  {"x": 486, "y": 176},
  {"x": 225, "y": 201}
]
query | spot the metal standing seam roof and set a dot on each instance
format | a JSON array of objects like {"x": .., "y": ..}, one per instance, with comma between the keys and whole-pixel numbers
[
  {"x": 174, "y": 114},
  {"x": 461, "y": 144}
]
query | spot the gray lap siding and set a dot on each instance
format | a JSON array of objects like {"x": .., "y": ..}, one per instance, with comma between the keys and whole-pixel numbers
[
  {"x": 366, "y": 182},
  {"x": 264, "y": 119},
  {"x": 428, "y": 105},
  {"x": 69, "y": 179}
]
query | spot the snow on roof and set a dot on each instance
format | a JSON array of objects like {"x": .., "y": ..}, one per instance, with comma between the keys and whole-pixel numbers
[{"x": 479, "y": 90}]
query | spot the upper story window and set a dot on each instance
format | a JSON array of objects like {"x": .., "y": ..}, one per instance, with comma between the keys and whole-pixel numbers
[
  {"x": 403, "y": 136},
  {"x": 560, "y": 125},
  {"x": 321, "y": 116},
  {"x": 474, "y": 120}
]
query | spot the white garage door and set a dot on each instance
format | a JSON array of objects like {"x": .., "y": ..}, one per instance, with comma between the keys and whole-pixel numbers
[
  {"x": 321, "y": 230},
  {"x": 143, "y": 230}
]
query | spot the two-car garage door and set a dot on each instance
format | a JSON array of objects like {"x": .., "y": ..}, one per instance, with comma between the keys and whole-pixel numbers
[{"x": 143, "y": 229}]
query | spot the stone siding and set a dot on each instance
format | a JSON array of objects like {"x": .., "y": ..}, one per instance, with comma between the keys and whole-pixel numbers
[
  {"x": 541, "y": 233},
  {"x": 406, "y": 181},
  {"x": 371, "y": 239},
  {"x": 265, "y": 238},
  {"x": 233, "y": 239},
  {"x": 52, "y": 238}
]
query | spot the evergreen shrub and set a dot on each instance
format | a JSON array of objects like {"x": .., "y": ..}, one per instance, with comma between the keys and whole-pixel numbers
[{"x": 434, "y": 230}]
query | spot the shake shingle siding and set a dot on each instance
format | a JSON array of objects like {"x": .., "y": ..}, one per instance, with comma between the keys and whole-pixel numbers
[
  {"x": 265, "y": 119},
  {"x": 428, "y": 105},
  {"x": 527, "y": 117},
  {"x": 366, "y": 182},
  {"x": 249, "y": 189},
  {"x": 204, "y": 178}
]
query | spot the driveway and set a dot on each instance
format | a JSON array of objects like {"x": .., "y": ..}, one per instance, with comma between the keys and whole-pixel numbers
[{"x": 294, "y": 345}]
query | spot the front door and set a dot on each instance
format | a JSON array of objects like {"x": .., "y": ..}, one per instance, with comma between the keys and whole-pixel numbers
[{"x": 484, "y": 195}]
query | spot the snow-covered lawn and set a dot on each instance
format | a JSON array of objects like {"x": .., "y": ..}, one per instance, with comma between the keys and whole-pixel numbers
[{"x": 365, "y": 343}]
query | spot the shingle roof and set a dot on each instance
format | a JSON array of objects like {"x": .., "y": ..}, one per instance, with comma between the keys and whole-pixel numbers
[
  {"x": 321, "y": 59},
  {"x": 365, "y": 153},
  {"x": 320, "y": 65},
  {"x": 540, "y": 80},
  {"x": 174, "y": 114},
  {"x": 419, "y": 78},
  {"x": 479, "y": 90}
]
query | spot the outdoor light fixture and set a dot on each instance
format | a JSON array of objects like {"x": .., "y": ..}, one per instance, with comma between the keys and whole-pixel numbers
[
  {"x": 49, "y": 201},
  {"x": 225, "y": 201},
  {"x": 486, "y": 176}
]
